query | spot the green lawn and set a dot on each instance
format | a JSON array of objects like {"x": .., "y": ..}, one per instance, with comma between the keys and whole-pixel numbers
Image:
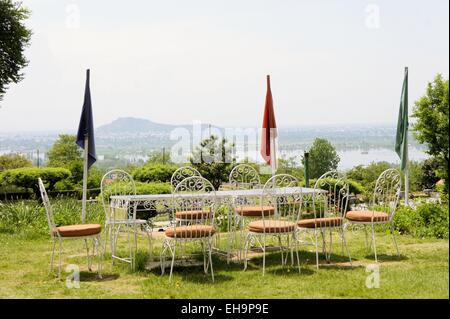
[{"x": 421, "y": 272}]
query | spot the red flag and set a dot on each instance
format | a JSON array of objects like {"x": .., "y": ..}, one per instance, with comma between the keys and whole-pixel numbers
[{"x": 269, "y": 126}]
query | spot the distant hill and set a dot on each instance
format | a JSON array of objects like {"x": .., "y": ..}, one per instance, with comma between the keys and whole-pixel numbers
[{"x": 133, "y": 125}]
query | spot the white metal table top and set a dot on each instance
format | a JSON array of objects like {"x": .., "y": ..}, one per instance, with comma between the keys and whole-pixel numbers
[{"x": 221, "y": 194}]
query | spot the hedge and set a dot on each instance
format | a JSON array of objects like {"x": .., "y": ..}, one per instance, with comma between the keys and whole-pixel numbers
[
  {"x": 27, "y": 177},
  {"x": 354, "y": 187},
  {"x": 154, "y": 173}
]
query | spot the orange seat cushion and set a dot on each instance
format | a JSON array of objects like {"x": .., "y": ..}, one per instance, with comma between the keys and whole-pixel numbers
[
  {"x": 78, "y": 230},
  {"x": 320, "y": 222},
  {"x": 192, "y": 214},
  {"x": 191, "y": 231},
  {"x": 366, "y": 216},
  {"x": 271, "y": 226},
  {"x": 255, "y": 210}
]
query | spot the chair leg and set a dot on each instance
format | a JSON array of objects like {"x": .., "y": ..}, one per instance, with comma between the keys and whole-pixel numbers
[
  {"x": 374, "y": 244},
  {"x": 323, "y": 241},
  {"x": 317, "y": 248},
  {"x": 150, "y": 240},
  {"x": 246, "y": 244},
  {"x": 367, "y": 237},
  {"x": 291, "y": 248},
  {"x": 395, "y": 241},
  {"x": 203, "y": 244},
  {"x": 134, "y": 245},
  {"x": 162, "y": 257},
  {"x": 294, "y": 238},
  {"x": 173, "y": 260},
  {"x": 344, "y": 244},
  {"x": 210, "y": 244},
  {"x": 87, "y": 254},
  {"x": 60, "y": 252},
  {"x": 98, "y": 243},
  {"x": 331, "y": 246},
  {"x": 53, "y": 255},
  {"x": 107, "y": 230},
  {"x": 281, "y": 248},
  {"x": 263, "y": 246}
]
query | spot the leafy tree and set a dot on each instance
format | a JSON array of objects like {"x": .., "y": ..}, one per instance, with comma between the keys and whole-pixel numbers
[
  {"x": 431, "y": 128},
  {"x": 154, "y": 173},
  {"x": 322, "y": 158},
  {"x": 415, "y": 176},
  {"x": 212, "y": 158},
  {"x": 367, "y": 175},
  {"x": 289, "y": 166},
  {"x": 65, "y": 153},
  {"x": 428, "y": 177},
  {"x": 14, "y": 38},
  {"x": 10, "y": 161},
  {"x": 160, "y": 157}
]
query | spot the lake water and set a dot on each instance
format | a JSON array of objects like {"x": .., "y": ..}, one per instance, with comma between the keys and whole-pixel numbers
[{"x": 353, "y": 158}]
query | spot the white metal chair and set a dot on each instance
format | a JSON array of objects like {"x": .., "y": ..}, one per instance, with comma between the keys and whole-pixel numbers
[
  {"x": 182, "y": 173},
  {"x": 118, "y": 182},
  {"x": 329, "y": 204},
  {"x": 184, "y": 217},
  {"x": 192, "y": 194},
  {"x": 79, "y": 231},
  {"x": 244, "y": 176},
  {"x": 281, "y": 224},
  {"x": 382, "y": 208}
]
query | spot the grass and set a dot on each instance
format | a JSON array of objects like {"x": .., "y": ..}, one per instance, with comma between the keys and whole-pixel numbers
[{"x": 420, "y": 272}]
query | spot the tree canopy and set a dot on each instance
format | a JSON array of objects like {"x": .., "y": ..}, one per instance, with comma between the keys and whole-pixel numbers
[
  {"x": 14, "y": 38},
  {"x": 212, "y": 158},
  {"x": 322, "y": 158},
  {"x": 64, "y": 152},
  {"x": 431, "y": 127},
  {"x": 11, "y": 161}
]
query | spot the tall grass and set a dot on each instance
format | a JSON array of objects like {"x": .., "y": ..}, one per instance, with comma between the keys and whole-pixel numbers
[{"x": 28, "y": 217}]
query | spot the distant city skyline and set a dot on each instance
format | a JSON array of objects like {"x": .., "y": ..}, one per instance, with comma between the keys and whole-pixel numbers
[{"x": 176, "y": 62}]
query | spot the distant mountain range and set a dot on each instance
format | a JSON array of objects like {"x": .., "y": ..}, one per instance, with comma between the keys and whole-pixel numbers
[
  {"x": 132, "y": 125},
  {"x": 129, "y": 136}
]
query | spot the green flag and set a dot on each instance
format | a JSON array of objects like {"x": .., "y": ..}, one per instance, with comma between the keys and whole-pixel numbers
[{"x": 401, "y": 140}]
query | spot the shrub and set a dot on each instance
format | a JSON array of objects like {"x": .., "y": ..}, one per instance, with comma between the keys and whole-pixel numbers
[
  {"x": 154, "y": 173},
  {"x": 354, "y": 187},
  {"x": 27, "y": 177},
  {"x": 427, "y": 220},
  {"x": 142, "y": 188},
  {"x": 11, "y": 161}
]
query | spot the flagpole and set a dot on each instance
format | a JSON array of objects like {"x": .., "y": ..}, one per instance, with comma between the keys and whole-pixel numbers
[
  {"x": 85, "y": 177},
  {"x": 406, "y": 146},
  {"x": 273, "y": 156},
  {"x": 407, "y": 172}
]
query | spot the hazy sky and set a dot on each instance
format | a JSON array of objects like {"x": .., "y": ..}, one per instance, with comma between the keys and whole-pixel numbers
[{"x": 174, "y": 62}]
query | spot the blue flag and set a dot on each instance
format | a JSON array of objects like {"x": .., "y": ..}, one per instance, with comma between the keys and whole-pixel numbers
[{"x": 86, "y": 126}]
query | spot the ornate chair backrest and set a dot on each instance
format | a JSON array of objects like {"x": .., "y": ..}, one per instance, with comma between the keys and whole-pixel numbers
[
  {"x": 117, "y": 182},
  {"x": 48, "y": 209},
  {"x": 244, "y": 176},
  {"x": 287, "y": 204},
  {"x": 387, "y": 192},
  {"x": 182, "y": 173},
  {"x": 195, "y": 194},
  {"x": 334, "y": 201}
]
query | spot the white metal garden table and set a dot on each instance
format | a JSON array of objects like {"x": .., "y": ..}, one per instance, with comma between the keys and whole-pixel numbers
[{"x": 162, "y": 202}]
